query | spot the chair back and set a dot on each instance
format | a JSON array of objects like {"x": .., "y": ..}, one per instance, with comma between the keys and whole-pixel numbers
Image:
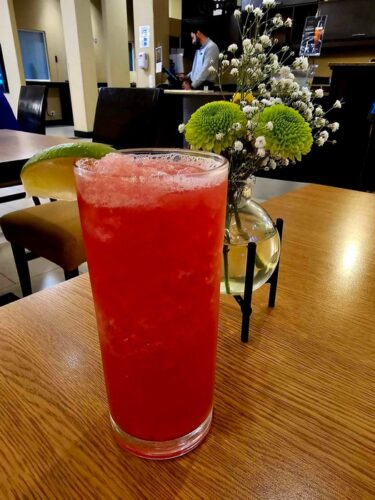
[
  {"x": 127, "y": 117},
  {"x": 32, "y": 105}
]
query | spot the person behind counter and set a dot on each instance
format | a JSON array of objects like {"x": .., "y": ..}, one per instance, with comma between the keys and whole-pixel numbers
[{"x": 206, "y": 55}]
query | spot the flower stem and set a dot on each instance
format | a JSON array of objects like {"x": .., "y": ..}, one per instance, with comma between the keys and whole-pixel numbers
[{"x": 226, "y": 270}]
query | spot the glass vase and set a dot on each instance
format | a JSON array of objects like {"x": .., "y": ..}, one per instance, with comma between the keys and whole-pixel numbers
[{"x": 247, "y": 221}]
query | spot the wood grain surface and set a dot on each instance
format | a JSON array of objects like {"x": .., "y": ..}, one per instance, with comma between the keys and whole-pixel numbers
[
  {"x": 20, "y": 146},
  {"x": 294, "y": 408}
]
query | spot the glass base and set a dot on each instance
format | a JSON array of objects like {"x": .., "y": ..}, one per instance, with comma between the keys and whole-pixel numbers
[{"x": 162, "y": 450}]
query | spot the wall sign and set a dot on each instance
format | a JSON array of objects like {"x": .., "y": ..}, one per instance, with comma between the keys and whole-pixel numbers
[
  {"x": 312, "y": 36},
  {"x": 144, "y": 36}
]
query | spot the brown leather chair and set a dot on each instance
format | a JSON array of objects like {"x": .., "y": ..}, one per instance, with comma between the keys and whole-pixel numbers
[
  {"x": 32, "y": 104},
  {"x": 52, "y": 231},
  {"x": 128, "y": 117}
]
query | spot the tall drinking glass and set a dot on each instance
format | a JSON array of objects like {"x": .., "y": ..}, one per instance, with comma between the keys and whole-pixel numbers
[{"x": 152, "y": 223}]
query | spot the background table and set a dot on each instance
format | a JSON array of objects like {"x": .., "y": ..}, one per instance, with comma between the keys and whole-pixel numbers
[
  {"x": 16, "y": 148},
  {"x": 294, "y": 411}
]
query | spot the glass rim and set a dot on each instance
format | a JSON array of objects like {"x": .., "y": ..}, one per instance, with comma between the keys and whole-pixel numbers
[{"x": 222, "y": 162}]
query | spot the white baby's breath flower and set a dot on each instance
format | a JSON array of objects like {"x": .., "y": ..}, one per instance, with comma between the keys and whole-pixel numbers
[
  {"x": 233, "y": 47},
  {"x": 319, "y": 111},
  {"x": 324, "y": 134},
  {"x": 307, "y": 114},
  {"x": 306, "y": 93},
  {"x": 320, "y": 141},
  {"x": 258, "y": 12},
  {"x": 285, "y": 162},
  {"x": 246, "y": 43},
  {"x": 288, "y": 23},
  {"x": 265, "y": 161},
  {"x": 221, "y": 55},
  {"x": 247, "y": 109},
  {"x": 238, "y": 146},
  {"x": 261, "y": 152},
  {"x": 277, "y": 21},
  {"x": 334, "y": 126},
  {"x": 219, "y": 136},
  {"x": 285, "y": 72},
  {"x": 234, "y": 71},
  {"x": 273, "y": 58},
  {"x": 337, "y": 104},
  {"x": 301, "y": 63},
  {"x": 235, "y": 62},
  {"x": 286, "y": 82},
  {"x": 181, "y": 128},
  {"x": 269, "y": 126},
  {"x": 249, "y": 7},
  {"x": 258, "y": 47},
  {"x": 260, "y": 142},
  {"x": 237, "y": 126},
  {"x": 225, "y": 63},
  {"x": 237, "y": 13},
  {"x": 272, "y": 164},
  {"x": 318, "y": 93},
  {"x": 320, "y": 122},
  {"x": 285, "y": 48},
  {"x": 269, "y": 3},
  {"x": 212, "y": 69},
  {"x": 265, "y": 40},
  {"x": 300, "y": 105}
]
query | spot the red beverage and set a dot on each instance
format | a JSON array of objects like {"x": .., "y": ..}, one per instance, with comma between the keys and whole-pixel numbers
[{"x": 153, "y": 230}]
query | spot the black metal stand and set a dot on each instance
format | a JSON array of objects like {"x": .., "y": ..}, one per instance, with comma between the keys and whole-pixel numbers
[{"x": 245, "y": 302}]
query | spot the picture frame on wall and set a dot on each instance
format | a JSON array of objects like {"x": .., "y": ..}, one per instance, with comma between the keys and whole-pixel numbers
[{"x": 312, "y": 36}]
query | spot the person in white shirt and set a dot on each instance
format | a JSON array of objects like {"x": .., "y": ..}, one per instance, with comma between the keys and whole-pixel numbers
[{"x": 206, "y": 55}]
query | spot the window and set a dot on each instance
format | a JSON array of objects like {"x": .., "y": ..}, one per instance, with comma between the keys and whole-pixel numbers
[{"x": 34, "y": 54}]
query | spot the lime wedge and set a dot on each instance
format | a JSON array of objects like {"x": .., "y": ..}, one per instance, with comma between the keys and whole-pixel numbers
[{"x": 49, "y": 173}]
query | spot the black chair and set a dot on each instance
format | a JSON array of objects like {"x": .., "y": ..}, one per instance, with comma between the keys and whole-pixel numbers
[
  {"x": 128, "y": 117},
  {"x": 32, "y": 105}
]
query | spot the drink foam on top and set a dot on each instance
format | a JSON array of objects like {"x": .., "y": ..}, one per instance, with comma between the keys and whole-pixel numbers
[{"x": 142, "y": 178}]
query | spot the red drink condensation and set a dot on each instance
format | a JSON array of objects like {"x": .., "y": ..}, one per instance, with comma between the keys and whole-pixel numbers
[{"x": 153, "y": 231}]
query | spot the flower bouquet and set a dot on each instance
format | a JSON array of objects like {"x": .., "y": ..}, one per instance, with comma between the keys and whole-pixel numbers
[{"x": 269, "y": 122}]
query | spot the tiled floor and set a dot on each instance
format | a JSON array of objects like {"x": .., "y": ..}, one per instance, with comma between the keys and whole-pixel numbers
[{"x": 44, "y": 273}]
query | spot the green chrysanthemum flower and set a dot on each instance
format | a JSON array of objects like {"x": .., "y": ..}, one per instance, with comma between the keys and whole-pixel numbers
[
  {"x": 215, "y": 126},
  {"x": 289, "y": 136}
]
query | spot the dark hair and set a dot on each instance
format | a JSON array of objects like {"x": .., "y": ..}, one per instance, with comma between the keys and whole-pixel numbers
[{"x": 201, "y": 26}]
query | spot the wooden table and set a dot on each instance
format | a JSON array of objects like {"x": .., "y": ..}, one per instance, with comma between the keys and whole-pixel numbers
[
  {"x": 294, "y": 411},
  {"x": 16, "y": 148}
]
